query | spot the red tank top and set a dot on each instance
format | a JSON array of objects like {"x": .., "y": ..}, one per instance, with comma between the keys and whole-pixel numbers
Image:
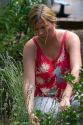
[{"x": 49, "y": 75}]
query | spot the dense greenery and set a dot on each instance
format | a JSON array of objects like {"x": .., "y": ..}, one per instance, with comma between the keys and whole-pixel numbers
[
  {"x": 13, "y": 106},
  {"x": 11, "y": 81},
  {"x": 15, "y": 29},
  {"x": 73, "y": 115},
  {"x": 14, "y": 32}
]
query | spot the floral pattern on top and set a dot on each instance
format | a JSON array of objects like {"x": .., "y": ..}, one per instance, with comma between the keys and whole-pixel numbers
[
  {"x": 49, "y": 80},
  {"x": 59, "y": 76},
  {"x": 40, "y": 80},
  {"x": 52, "y": 91},
  {"x": 45, "y": 90},
  {"x": 61, "y": 58},
  {"x": 44, "y": 67}
]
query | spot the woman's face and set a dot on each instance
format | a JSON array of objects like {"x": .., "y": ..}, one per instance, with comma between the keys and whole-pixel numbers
[{"x": 44, "y": 29}]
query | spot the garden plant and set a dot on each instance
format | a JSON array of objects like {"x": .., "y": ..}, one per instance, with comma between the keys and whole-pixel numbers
[{"x": 13, "y": 107}]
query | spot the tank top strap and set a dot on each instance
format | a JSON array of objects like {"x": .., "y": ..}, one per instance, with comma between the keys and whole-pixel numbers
[
  {"x": 64, "y": 38},
  {"x": 34, "y": 40},
  {"x": 38, "y": 47}
]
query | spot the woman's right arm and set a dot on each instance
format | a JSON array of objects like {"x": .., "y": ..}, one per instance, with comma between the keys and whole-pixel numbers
[{"x": 29, "y": 76}]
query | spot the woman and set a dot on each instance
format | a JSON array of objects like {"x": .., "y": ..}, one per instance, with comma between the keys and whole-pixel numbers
[{"x": 47, "y": 57}]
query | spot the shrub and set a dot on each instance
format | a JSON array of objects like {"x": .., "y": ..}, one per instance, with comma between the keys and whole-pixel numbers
[
  {"x": 13, "y": 105},
  {"x": 15, "y": 29},
  {"x": 12, "y": 78}
]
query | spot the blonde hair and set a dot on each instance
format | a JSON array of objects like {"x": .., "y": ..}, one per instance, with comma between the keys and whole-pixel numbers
[{"x": 41, "y": 11}]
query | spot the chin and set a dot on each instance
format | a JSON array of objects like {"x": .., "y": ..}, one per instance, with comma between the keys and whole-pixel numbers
[{"x": 43, "y": 37}]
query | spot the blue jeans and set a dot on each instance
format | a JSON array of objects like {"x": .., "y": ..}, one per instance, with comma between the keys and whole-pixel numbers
[
  {"x": 49, "y": 105},
  {"x": 46, "y": 105}
]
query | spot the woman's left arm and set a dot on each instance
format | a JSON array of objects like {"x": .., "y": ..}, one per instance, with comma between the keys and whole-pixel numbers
[{"x": 73, "y": 48}]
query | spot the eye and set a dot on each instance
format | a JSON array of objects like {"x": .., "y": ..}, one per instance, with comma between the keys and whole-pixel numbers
[
  {"x": 42, "y": 28},
  {"x": 36, "y": 30}
]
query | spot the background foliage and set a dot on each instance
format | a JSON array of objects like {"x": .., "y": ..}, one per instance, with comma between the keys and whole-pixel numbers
[
  {"x": 13, "y": 107},
  {"x": 14, "y": 26},
  {"x": 14, "y": 32}
]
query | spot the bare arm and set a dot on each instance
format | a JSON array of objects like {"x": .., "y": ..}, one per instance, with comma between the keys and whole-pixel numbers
[
  {"x": 29, "y": 76},
  {"x": 73, "y": 48}
]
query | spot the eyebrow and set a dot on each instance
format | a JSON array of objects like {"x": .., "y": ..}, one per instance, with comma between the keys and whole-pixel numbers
[{"x": 46, "y": 24}]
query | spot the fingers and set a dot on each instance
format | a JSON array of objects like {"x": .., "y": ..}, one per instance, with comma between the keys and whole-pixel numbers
[
  {"x": 63, "y": 108},
  {"x": 64, "y": 104},
  {"x": 34, "y": 120}
]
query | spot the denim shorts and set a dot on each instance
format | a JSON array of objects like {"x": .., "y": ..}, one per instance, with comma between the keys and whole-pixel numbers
[
  {"x": 49, "y": 105},
  {"x": 46, "y": 105}
]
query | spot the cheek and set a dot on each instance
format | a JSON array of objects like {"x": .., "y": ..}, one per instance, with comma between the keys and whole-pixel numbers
[
  {"x": 50, "y": 30},
  {"x": 50, "y": 26}
]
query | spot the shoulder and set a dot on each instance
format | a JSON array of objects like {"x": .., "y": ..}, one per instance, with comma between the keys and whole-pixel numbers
[
  {"x": 30, "y": 44},
  {"x": 72, "y": 35},
  {"x": 72, "y": 39},
  {"x": 29, "y": 47},
  {"x": 69, "y": 34},
  {"x": 60, "y": 33}
]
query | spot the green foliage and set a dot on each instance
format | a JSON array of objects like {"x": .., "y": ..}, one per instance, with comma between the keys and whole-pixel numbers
[
  {"x": 46, "y": 118},
  {"x": 13, "y": 106},
  {"x": 14, "y": 17},
  {"x": 14, "y": 33},
  {"x": 72, "y": 115},
  {"x": 12, "y": 78},
  {"x": 15, "y": 29}
]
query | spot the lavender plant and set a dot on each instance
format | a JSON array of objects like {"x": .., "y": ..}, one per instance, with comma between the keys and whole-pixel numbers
[{"x": 12, "y": 77}]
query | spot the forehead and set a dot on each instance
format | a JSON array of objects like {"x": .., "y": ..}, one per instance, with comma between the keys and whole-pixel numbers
[{"x": 41, "y": 22}]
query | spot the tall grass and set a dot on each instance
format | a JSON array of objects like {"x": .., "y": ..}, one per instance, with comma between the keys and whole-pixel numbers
[
  {"x": 12, "y": 104},
  {"x": 12, "y": 76}
]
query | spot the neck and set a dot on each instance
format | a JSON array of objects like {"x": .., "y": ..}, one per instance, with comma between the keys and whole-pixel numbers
[
  {"x": 42, "y": 41},
  {"x": 49, "y": 41}
]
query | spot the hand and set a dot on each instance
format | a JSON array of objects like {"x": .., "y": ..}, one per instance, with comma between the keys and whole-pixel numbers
[
  {"x": 34, "y": 119},
  {"x": 64, "y": 103}
]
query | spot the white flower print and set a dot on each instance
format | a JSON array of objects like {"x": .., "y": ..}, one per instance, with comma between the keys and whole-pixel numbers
[
  {"x": 40, "y": 80},
  {"x": 45, "y": 90},
  {"x": 44, "y": 67},
  {"x": 61, "y": 58}
]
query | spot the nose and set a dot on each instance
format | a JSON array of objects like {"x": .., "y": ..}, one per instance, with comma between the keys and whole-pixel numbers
[{"x": 40, "y": 32}]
